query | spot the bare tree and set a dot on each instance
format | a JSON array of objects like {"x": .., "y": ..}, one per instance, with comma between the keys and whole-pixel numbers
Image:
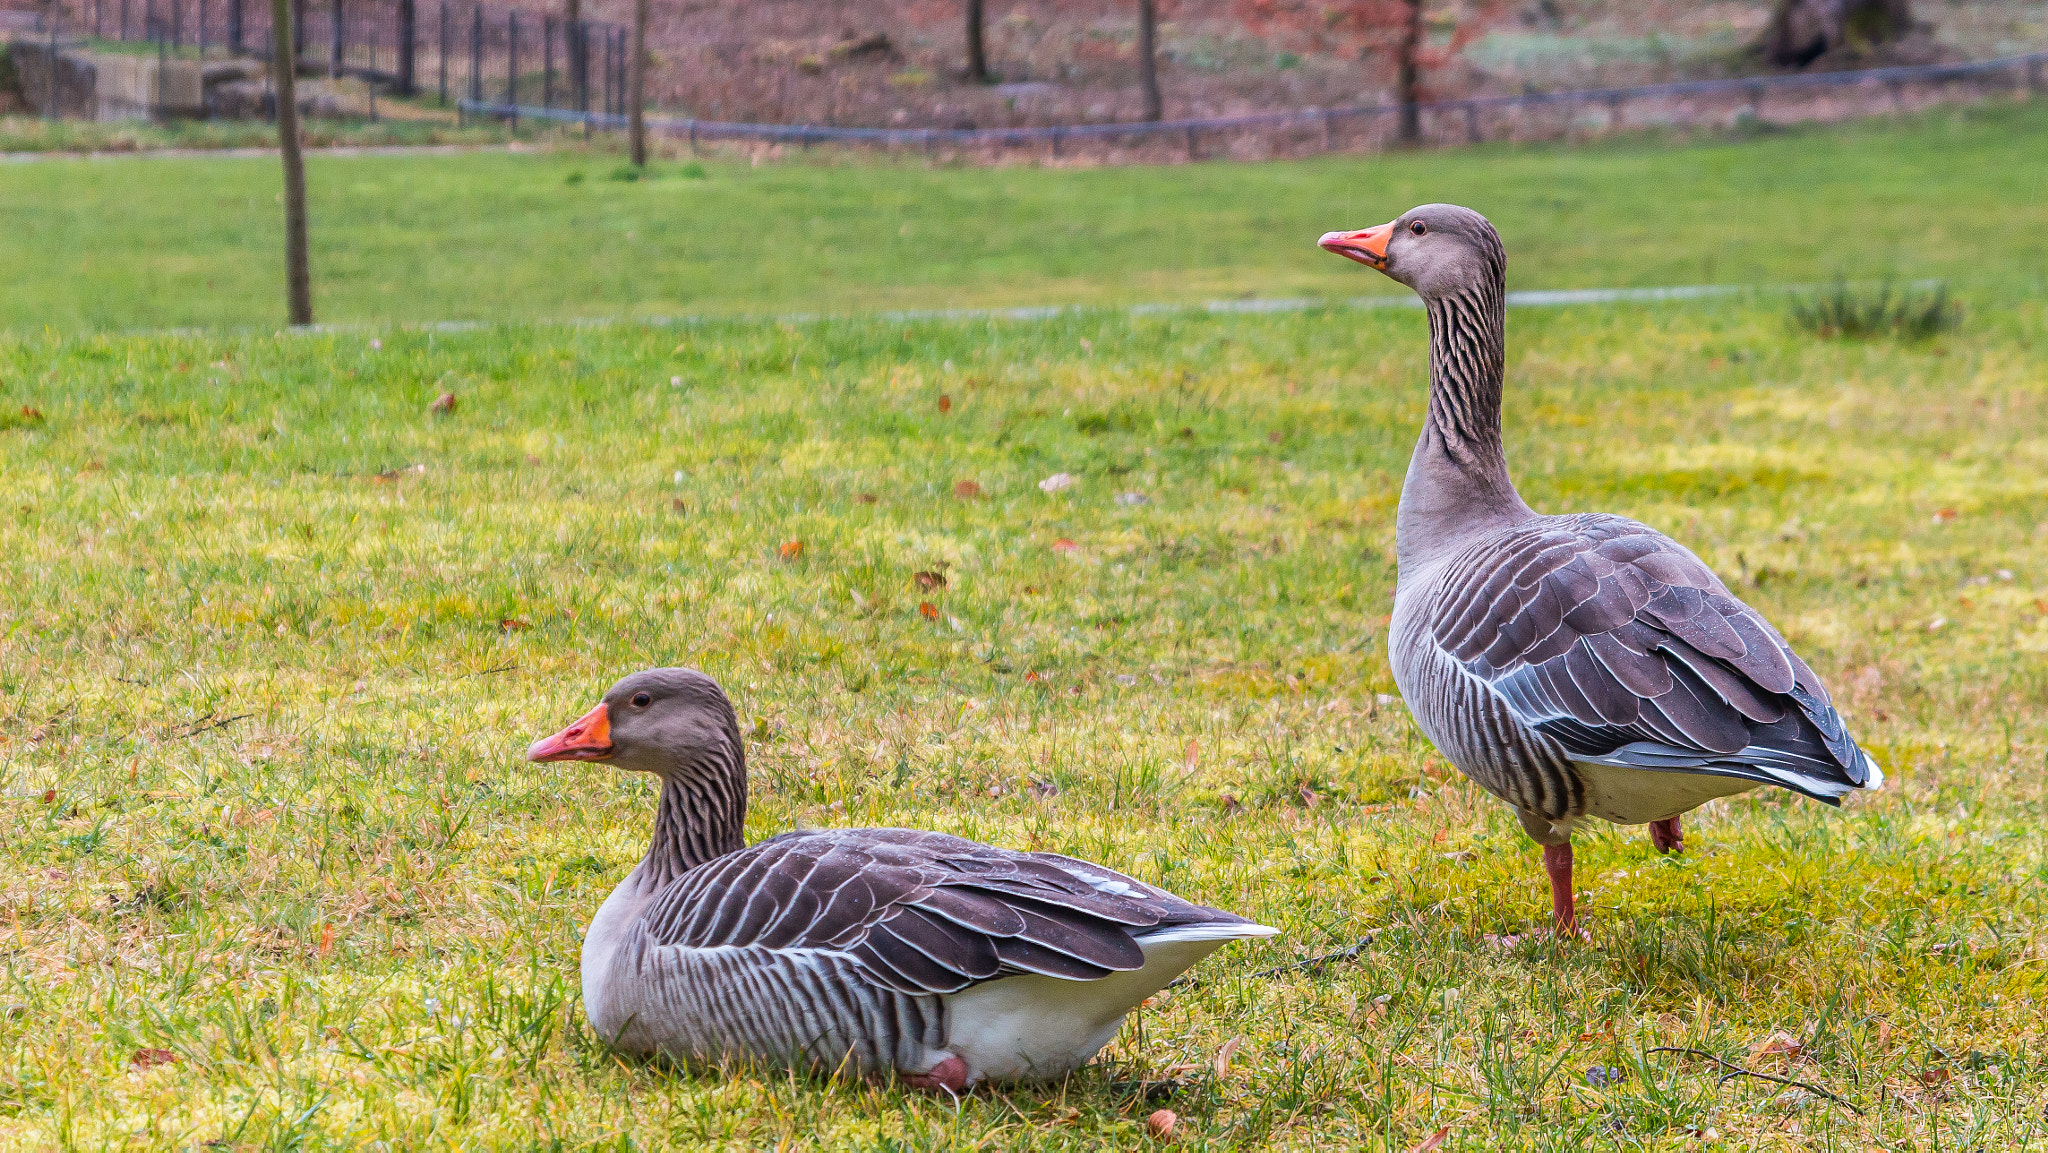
[
  {"x": 284, "y": 69},
  {"x": 636, "y": 86},
  {"x": 1407, "y": 74},
  {"x": 1148, "y": 57},
  {"x": 977, "y": 51}
]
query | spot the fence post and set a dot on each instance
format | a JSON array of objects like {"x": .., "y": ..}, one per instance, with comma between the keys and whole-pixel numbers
[
  {"x": 441, "y": 58},
  {"x": 512, "y": 63},
  {"x": 336, "y": 32},
  {"x": 1614, "y": 112},
  {"x": 1192, "y": 153},
  {"x": 547, "y": 68},
  {"x": 235, "y": 27},
  {"x": 476, "y": 53},
  {"x": 177, "y": 24},
  {"x": 408, "y": 47},
  {"x": 1472, "y": 123},
  {"x": 124, "y": 19},
  {"x": 298, "y": 34}
]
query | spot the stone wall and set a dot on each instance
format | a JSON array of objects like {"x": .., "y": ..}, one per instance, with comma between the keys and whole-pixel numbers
[{"x": 105, "y": 85}]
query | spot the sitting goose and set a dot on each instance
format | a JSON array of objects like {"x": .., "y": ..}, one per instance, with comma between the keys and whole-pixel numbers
[
  {"x": 1570, "y": 665},
  {"x": 943, "y": 960}
]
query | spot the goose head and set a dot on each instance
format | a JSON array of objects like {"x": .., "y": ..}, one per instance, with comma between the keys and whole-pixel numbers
[
  {"x": 670, "y": 722},
  {"x": 1435, "y": 249}
]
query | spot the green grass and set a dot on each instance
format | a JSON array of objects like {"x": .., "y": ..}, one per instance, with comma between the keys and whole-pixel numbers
[
  {"x": 1957, "y": 194},
  {"x": 275, "y": 638}
]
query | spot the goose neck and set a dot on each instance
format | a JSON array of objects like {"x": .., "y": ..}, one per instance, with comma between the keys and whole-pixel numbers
[
  {"x": 702, "y": 816},
  {"x": 1458, "y": 484}
]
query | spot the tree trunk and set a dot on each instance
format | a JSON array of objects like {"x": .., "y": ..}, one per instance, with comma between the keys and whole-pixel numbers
[
  {"x": 1801, "y": 31},
  {"x": 284, "y": 72},
  {"x": 636, "y": 86},
  {"x": 977, "y": 50},
  {"x": 1407, "y": 79},
  {"x": 1148, "y": 57}
]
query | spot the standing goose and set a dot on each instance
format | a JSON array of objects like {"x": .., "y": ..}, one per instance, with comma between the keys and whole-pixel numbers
[
  {"x": 1571, "y": 665},
  {"x": 943, "y": 960}
]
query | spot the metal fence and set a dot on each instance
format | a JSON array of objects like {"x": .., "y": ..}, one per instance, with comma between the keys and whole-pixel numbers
[
  {"x": 454, "y": 51},
  {"x": 1524, "y": 116}
]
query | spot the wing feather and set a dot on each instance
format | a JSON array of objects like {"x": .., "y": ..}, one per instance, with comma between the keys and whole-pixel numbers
[{"x": 1624, "y": 647}]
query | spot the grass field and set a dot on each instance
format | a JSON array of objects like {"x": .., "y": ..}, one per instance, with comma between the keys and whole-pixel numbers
[
  {"x": 275, "y": 638},
  {"x": 127, "y": 244}
]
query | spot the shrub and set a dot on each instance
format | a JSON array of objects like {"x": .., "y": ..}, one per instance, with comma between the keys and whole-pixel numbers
[{"x": 1862, "y": 314}]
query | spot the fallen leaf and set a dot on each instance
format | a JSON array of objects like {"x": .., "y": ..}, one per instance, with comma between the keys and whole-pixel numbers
[
  {"x": 1045, "y": 790},
  {"x": 676, "y": 503},
  {"x": 790, "y": 550},
  {"x": 400, "y": 473},
  {"x": 326, "y": 938},
  {"x": 1057, "y": 482},
  {"x": 966, "y": 490},
  {"x": 867, "y": 498},
  {"x": 49, "y": 796},
  {"x": 945, "y": 403},
  {"x": 1224, "y": 1054},
  {"x": 929, "y": 580},
  {"x": 1944, "y": 515},
  {"x": 150, "y": 1058},
  {"x": 1230, "y": 804},
  {"x": 1275, "y": 438},
  {"x": 1935, "y": 1076},
  {"x": 1064, "y": 545},
  {"x": 1160, "y": 1124},
  {"x": 928, "y": 610},
  {"x": 31, "y": 415},
  {"x": 513, "y": 624},
  {"x": 443, "y": 403},
  {"x": 1432, "y": 1141},
  {"x": 375, "y": 345},
  {"x": 1190, "y": 756},
  {"x": 1781, "y": 1044}
]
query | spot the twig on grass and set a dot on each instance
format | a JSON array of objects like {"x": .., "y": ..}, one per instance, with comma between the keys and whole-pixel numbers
[
  {"x": 207, "y": 724},
  {"x": 1735, "y": 1070},
  {"x": 1313, "y": 965},
  {"x": 487, "y": 672}
]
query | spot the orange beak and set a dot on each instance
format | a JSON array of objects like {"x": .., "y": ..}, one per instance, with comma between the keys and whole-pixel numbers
[
  {"x": 1368, "y": 246},
  {"x": 589, "y": 739}
]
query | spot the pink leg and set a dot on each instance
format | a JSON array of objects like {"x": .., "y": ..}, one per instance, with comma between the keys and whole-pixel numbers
[
  {"x": 1557, "y": 861},
  {"x": 950, "y": 1075},
  {"x": 1665, "y": 835}
]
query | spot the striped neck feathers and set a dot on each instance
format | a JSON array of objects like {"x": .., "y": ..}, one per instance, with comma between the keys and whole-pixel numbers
[
  {"x": 1467, "y": 361},
  {"x": 702, "y": 815}
]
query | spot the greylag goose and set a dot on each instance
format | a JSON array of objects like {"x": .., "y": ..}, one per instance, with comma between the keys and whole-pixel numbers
[
  {"x": 876, "y": 950},
  {"x": 1570, "y": 665}
]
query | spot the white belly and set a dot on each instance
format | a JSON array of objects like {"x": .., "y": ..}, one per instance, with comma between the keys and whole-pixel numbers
[{"x": 1639, "y": 796}]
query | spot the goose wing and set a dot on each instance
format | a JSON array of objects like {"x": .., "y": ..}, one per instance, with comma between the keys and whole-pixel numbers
[
  {"x": 1618, "y": 643},
  {"x": 921, "y": 912}
]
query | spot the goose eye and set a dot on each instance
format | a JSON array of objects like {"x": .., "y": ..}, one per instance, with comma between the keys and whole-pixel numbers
[
  {"x": 642, "y": 700},
  {"x": 1418, "y": 228}
]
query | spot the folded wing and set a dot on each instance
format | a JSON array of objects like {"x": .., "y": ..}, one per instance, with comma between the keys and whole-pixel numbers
[{"x": 1622, "y": 646}]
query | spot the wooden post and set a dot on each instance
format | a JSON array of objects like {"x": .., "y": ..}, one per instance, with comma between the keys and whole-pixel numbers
[
  {"x": 512, "y": 64},
  {"x": 235, "y": 27},
  {"x": 408, "y": 47},
  {"x": 547, "y": 62},
  {"x": 977, "y": 55},
  {"x": 298, "y": 274},
  {"x": 636, "y": 85},
  {"x": 476, "y": 53},
  {"x": 1472, "y": 123},
  {"x": 1148, "y": 62},
  {"x": 336, "y": 40},
  {"x": 441, "y": 62}
]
